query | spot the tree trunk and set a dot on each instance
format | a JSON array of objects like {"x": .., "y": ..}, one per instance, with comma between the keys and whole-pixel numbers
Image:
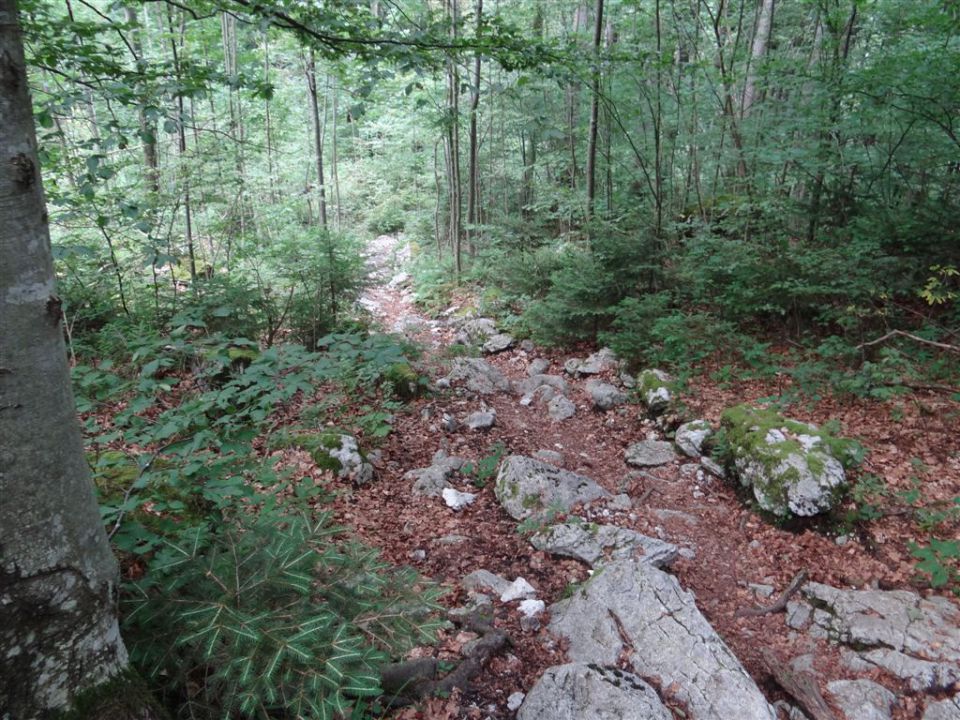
[
  {"x": 473, "y": 192},
  {"x": 317, "y": 133},
  {"x": 182, "y": 148},
  {"x": 594, "y": 110},
  {"x": 761, "y": 38},
  {"x": 58, "y": 578}
]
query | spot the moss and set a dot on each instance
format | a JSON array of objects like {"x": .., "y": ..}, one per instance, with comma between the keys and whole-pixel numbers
[
  {"x": 113, "y": 472},
  {"x": 530, "y": 501},
  {"x": 124, "y": 697},
  {"x": 318, "y": 445},
  {"x": 404, "y": 381},
  {"x": 242, "y": 355},
  {"x": 648, "y": 380}
]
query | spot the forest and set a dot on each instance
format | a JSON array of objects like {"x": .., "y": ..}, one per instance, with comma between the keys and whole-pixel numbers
[{"x": 308, "y": 255}]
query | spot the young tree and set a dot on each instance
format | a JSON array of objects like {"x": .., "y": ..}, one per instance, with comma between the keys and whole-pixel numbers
[{"x": 58, "y": 578}]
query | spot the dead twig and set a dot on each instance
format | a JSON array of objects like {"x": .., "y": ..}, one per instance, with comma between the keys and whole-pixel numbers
[
  {"x": 781, "y": 602},
  {"x": 910, "y": 336}
]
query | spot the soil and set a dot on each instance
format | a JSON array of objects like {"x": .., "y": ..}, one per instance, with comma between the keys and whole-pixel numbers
[{"x": 913, "y": 442}]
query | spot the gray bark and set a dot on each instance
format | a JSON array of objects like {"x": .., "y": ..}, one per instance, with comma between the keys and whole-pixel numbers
[{"x": 58, "y": 578}]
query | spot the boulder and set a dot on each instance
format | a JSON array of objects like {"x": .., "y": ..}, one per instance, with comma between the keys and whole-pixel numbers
[
  {"x": 498, "y": 343},
  {"x": 650, "y": 453},
  {"x": 792, "y": 467},
  {"x": 479, "y": 376},
  {"x": 560, "y": 408},
  {"x": 571, "y": 366},
  {"x": 594, "y": 544},
  {"x": 432, "y": 481},
  {"x": 534, "y": 382},
  {"x": 691, "y": 436},
  {"x": 585, "y": 691},
  {"x": 604, "y": 395},
  {"x": 603, "y": 359},
  {"x": 914, "y": 638},
  {"x": 634, "y": 610},
  {"x": 484, "y": 579},
  {"x": 525, "y": 487},
  {"x": 862, "y": 699},
  {"x": 655, "y": 392}
]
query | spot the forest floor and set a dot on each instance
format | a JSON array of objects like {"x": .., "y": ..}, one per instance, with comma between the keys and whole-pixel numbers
[{"x": 913, "y": 442}]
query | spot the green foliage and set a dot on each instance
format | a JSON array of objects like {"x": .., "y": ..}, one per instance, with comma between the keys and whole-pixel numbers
[
  {"x": 486, "y": 467},
  {"x": 277, "y": 613},
  {"x": 940, "y": 561}
]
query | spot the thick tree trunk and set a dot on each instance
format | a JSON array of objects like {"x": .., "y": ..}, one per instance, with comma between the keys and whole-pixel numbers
[
  {"x": 473, "y": 193},
  {"x": 761, "y": 38},
  {"x": 58, "y": 578},
  {"x": 594, "y": 110}
]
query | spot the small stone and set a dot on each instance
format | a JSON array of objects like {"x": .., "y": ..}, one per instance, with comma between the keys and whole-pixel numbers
[
  {"x": 529, "y": 624},
  {"x": 457, "y": 500},
  {"x": 483, "y": 420},
  {"x": 452, "y": 540},
  {"x": 527, "y": 346},
  {"x": 538, "y": 367},
  {"x": 755, "y": 545},
  {"x": 531, "y": 607},
  {"x": 761, "y": 589},
  {"x": 798, "y": 615},
  {"x": 571, "y": 366},
  {"x": 550, "y": 456},
  {"x": 418, "y": 555},
  {"x": 713, "y": 467},
  {"x": 485, "y": 579},
  {"x": 842, "y": 540},
  {"x": 650, "y": 453},
  {"x": 515, "y": 700},
  {"x": 517, "y": 590},
  {"x": 449, "y": 423},
  {"x": 687, "y": 554},
  {"x": 560, "y": 408},
  {"x": 620, "y": 502},
  {"x": 604, "y": 395},
  {"x": 691, "y": 436}
]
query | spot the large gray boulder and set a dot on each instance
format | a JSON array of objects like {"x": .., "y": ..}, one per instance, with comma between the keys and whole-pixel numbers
[
  {"x": 581, "y": 691},
  {"x": 916, "y": 639},
  {"x": 498, "y": 343},
  {"x": 475, "y": 332},
  {"x": 479, "y": 376},
  {"x": 650, "y": 453},
  {"x": 792, "y": 467},
  {"x": 592, "y": 544},
  {"x": 630, "y": 608},
  {"x": 526, "y": 487},
  {"x": 604, "y": 396}
]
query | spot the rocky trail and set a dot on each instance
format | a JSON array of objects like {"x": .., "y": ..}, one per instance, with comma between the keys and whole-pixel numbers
[{"x": 527, "y": 472}]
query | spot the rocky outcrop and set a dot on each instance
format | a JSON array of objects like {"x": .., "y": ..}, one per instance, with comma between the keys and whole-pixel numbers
[
  {"x": 478, "y": 376},
  {"x": 650, "y": 453},
  {"x": 594, "y": 544},
  {"x": 526, "y": 487},
  {"x": 630, "y": 609},
  {"x": 914, "y": 638},
  {"x": 792, "y": 467},
  {"x": 583, "y": 691}
]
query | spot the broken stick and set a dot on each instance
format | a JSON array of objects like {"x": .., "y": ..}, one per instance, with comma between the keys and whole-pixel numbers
[{"x": 781, "y": 603}]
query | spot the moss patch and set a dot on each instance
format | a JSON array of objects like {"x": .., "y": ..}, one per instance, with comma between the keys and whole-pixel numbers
[
  {"x": 318, "y": 445},
  {"x": 404, "y": 381}
]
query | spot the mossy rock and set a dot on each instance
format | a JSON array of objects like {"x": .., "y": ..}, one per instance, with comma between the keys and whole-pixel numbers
[
  {"x": 404, "y": 381},
  {"x": 332, "y": 449},
  {"x": 113, "y": 472},
  {"x": 792, "y": 467},
  {"x": 656, "y": 390},
  {"x": 242, "y": 355}
]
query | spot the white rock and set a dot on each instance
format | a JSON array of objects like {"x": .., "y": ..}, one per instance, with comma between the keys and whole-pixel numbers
[
  {"x": 457, "y": 500},
  {"x": 519, "y": 589},
  {"x": 531, "y": 607},
  {"x": 515, "y": 700}
]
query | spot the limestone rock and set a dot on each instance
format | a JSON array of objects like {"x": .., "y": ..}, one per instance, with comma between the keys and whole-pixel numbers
[
  {"x": 862, "y": 699},
  {"x": 432, "y": 481},
  {"x": 476, "y": 331},
  {"x": 530, "y": 385},
  {"x": 603, "y": 359},
  {"x": 498, "y": 343},
  {"x": 571, "y": 366},
  {"x": 344, "y": 450},
  {"x": 792, "y": 467},
  {"x": 585, "y": 691},
  {"x": 944, "y": 710},
  {"x": 479, "y": 376},
  {"x": 691, "y": 436},
  {"x": 526, "y": 486},
  {"x": 650, "y": 453},
  {"x": 482, "y": 420},
  {"x": 519, "y": 589},
  {"x": 550, "y": 456},
  {"x": 914, "y": 638},
  {"x": 457, "y": 500},
  {"x": 538, "y": 367},
  {"x": 667, "y": 638},
  {"x": 604, "y": 395},
  {"x": 592, "y": 544},
  {"x": 480, "y": 579},
  {"x": 560, "y": 408},
  {"x": 655, "y": 392}
]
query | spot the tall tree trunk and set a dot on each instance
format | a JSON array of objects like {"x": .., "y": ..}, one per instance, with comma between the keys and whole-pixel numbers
[
  {"x": 267, "y": 120},
  {"x": 182, "y": 148},
  {"x": 761, "y": 38},
  {"x": 594, "y": 109},
  {"x": 453, "y": 129},
  {"x": 473, "y": 192},
  {"x": 317, "y": 134},
  {"x": 58, "y": 577},
  {"x": 148, "y": 130},
  {"x": 334, "y": 163}
]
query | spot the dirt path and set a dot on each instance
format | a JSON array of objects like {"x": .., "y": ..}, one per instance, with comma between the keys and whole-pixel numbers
[{"x": 731, "y": 559}]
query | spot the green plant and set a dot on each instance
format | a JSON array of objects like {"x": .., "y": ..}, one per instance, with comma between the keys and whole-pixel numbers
[
  {"x": 486, "y": 467},
  {"x": 273, "y": 613},
  {"x": 940, "y": 560},
  {"x": 867, "y": 493}
]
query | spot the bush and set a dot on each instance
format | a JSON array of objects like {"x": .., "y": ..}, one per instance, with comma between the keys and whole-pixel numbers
[{"x": 276, "y": 614}]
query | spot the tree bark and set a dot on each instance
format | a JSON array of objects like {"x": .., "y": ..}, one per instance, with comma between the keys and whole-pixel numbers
[
  {"x": 473, "y": 192},
  {"x": 58, "y": 578},
  {"x": 594, "y": 110},
  {"x": 761, "y": 38},
  {"x": 317, "y": 133}
]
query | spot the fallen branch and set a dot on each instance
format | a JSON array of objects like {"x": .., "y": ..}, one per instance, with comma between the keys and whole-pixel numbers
[
  {"x": 801, "y": 686},
  {"x": 781, "y": 602},
  {"x": 909, "y": 336}
]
